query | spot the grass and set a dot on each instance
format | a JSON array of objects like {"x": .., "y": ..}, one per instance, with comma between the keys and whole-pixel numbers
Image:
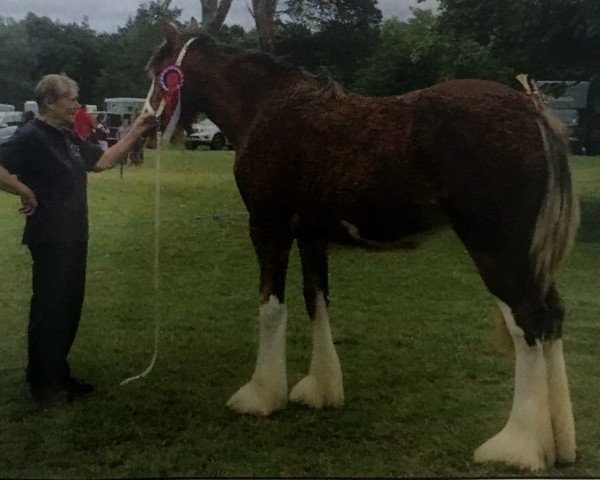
[{"x": 424, "y": 385}]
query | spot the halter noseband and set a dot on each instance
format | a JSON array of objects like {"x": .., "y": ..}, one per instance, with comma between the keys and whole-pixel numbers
[{"x": 159, "y": 111}]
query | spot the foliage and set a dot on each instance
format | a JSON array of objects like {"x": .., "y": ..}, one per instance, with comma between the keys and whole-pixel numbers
[
  {"x": 17, "y": 63},
  {"x": 417, "y": 53},
  {"x": 72, "y": 49},
  {"x": 413, "y": 329},
  {"x": 125, "y": 53},
  {"x": 546, "y": 38},
  {"x": 104, "y": 65},
  {"x": 344, "y": 38},
  {"x": 333, "y": 34}
]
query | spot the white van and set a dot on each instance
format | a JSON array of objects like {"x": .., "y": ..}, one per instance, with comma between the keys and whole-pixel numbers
[
  {"x": 11, "y": 118},
  {"x": 31, "y": 106},
  {"x": 124, "y": 105}
]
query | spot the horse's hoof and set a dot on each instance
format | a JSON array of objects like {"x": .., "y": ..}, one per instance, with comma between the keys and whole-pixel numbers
[
  {"x": 315, "y": 394},
  {"x": 256, "y": 400},
  {"x": 522, "y": 450}
]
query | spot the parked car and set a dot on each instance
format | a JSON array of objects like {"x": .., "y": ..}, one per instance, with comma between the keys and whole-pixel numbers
[
  {"x": 6, "y": 132},
  {"x": 12, "y": 118},
  {"x": 208, "y": 134},
  {"x": 577, "y": 105}
]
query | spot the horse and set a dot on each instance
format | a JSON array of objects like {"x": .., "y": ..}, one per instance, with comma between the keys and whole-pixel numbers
[{"x": 478, "y": 156}]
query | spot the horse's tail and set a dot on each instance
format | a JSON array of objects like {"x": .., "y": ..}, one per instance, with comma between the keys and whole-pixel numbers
[{"x": 558, "y": 217}]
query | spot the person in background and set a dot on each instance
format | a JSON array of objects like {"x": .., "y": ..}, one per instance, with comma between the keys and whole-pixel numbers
[
  {"x": 102, "y": 132},
  {"x": 83, "y": 123},
  {"x": 121, "y": 132},
  {"x": 46, "y": 164},
  {"x": 28, "y": 116},
  {"x": 136, "y": 154}
]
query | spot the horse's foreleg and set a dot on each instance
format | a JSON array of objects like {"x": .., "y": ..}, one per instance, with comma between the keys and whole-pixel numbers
[
  {"x": 527, "y": 440},
  {"x": 266, "y": 391},
  {"x": 323, "y": 386}
]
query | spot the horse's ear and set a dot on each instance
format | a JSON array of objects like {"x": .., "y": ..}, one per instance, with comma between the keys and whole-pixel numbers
[
  {"x": 193, "y": 26},
  {"x": 171, "y": 34}
]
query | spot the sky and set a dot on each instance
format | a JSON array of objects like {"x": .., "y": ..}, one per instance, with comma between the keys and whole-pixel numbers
[{"x": 109, "y": 15}]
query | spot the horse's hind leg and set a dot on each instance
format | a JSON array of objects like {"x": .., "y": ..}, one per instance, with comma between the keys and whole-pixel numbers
[
  {"x": 267, "y": 389},
  {"x": 540, "y": 425},
  {"x": 561, "y": 410},
  {"x": 323, "y": 386},
  {"x": 526, "y": 441}
]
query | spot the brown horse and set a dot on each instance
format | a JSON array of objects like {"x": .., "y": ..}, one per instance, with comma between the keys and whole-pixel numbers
[{"x": 474, "y": 154}]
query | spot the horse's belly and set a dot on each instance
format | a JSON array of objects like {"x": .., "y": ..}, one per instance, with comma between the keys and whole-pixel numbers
[{"x": 389, "y": 226}]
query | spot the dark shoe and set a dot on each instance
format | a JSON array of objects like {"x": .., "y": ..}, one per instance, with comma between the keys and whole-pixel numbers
[
  {"x": 76, "y": 387},
  {"x": 46, "y": 396}
]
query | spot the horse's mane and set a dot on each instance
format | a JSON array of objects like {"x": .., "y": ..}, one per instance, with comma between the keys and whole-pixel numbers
[{"x": 267, "y": 61}]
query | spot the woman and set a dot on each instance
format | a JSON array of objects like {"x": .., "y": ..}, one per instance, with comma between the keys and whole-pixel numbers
[{"x": 46, "y": 164}]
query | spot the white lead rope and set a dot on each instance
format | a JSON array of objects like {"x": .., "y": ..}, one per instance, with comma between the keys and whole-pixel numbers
[
  {"x": 156, "y": 277},
  {"x": 156, "y": 280}
]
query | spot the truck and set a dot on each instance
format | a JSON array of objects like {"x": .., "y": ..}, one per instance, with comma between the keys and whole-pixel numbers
[
  {"x": 124, "y": 105},
  {"x": 577, "y": 105},
  {"x": 116, "y": 109}
]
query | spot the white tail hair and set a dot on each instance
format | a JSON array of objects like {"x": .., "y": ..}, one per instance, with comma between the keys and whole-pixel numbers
[{"x": 558, "y": 217}]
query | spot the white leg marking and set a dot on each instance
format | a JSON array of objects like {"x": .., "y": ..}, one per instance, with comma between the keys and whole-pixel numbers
[
  {"x": 526, "y": 441},
  {"x": 323, "y": 386},
  {"x": 561, "y": 411},
  {"x": 267, "y": 390}
]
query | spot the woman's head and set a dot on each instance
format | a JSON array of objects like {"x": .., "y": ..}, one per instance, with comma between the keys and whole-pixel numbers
[{"x": 57, "y": 97}]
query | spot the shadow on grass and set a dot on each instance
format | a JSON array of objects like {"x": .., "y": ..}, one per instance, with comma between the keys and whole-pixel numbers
[{"x": 589, "y": 230}]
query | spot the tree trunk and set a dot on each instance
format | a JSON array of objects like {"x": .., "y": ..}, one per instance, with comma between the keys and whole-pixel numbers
[
  {"x": 264, "y": 16},
  {"x": 213, "y": 14}
]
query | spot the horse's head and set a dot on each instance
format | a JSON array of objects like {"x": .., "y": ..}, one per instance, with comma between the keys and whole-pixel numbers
[{"x": 173, "y": 97}]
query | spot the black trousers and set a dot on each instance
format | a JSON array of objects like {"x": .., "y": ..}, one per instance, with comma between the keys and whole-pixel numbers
[{"x": 58, "y": 288}]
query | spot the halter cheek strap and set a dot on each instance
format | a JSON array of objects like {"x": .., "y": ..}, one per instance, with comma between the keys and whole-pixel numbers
[{"x": 161, "y": 107}]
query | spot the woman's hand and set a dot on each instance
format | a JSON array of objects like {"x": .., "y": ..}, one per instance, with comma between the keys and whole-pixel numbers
[
  {"x": 28, "y": 200},
  {"x": 144, "y": 123}
]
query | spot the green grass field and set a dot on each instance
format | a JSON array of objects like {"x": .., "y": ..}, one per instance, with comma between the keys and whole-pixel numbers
[{"x": 424, "y": 383}]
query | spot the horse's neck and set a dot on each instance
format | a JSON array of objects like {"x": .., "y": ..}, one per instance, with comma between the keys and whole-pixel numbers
[{"x": 234, "y": 103}]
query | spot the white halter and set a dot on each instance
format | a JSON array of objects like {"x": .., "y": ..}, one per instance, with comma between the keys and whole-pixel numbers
[{"x": 158, "y": 112}]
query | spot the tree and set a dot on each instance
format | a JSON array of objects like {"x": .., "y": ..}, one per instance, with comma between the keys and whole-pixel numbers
[
  {"x": 549, "y": 38},
  {"x": 71, "y": 48},
  {"x": 17, "y": 62},
  {"x": 124, "y": 54},
  {"x": 214, "y": 13},
  {"x": 337, "y": 34},
  {"x": 263, "y": 12}
]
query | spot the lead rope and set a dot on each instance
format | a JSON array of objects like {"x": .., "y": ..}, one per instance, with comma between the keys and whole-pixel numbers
[
  {"x": 156, "y": 280},
  {"x": 156, "y": 272}
]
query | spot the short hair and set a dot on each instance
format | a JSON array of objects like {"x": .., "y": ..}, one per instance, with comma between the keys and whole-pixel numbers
[{"x": 52, "y": 87}]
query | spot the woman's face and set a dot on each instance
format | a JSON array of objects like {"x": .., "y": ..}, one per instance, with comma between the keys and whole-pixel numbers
[{"x": 63, "y": 109}]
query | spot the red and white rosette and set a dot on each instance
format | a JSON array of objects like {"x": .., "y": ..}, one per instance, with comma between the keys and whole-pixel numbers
[{"x": 171, "y": 81}]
